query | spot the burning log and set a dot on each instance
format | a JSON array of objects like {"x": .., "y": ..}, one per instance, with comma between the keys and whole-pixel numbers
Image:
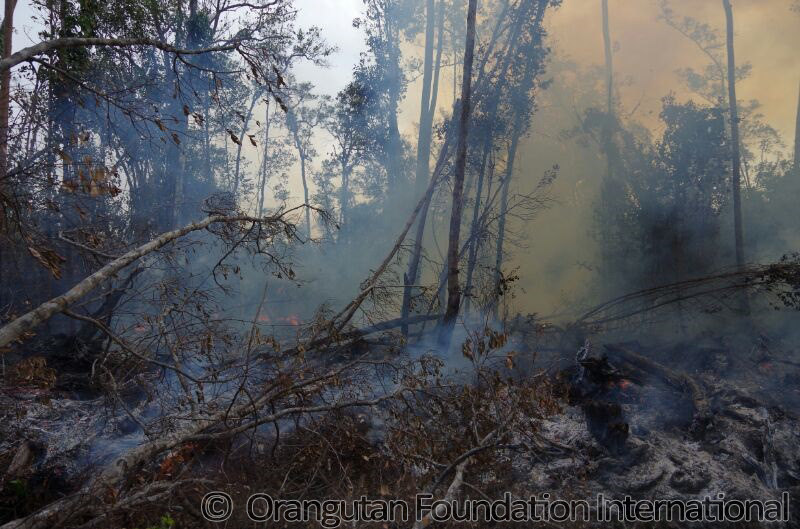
[{"x": 701, "y": 416}]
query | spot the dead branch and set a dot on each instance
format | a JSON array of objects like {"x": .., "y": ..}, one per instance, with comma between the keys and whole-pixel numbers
[
  {"x": 113, "y": 475},
  {"x": 459, "y": 465},
  {"x": 675, "y": 379},
  {"x": 41, "y": 48}
]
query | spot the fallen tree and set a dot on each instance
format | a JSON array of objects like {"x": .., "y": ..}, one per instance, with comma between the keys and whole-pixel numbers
[
  {"x": 15, "y": 329},
  {"x": 675, "y": 379},
  {"x": 780, "y": 279}
]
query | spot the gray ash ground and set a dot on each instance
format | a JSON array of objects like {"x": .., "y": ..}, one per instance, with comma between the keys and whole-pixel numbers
[{"x": 749, "y": 448}]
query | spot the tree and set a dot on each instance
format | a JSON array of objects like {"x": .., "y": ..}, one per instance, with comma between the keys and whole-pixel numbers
[
  {"x": 797, "y": 135},
  {"x": 348, "y": 123},
  {"x": 430, "y": 88},
  {"x": 453, "y": 289},
  {"x": 381, "y": 70},
  {"x": 5, "y": 86},
  {"x": 734, "y": 124},
  {"x": 301, "y": 120}
]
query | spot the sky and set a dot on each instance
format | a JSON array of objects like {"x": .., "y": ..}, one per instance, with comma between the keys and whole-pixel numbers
[
  {"x": 767, "y": 34},
  {"x": 647, "y": 51}
]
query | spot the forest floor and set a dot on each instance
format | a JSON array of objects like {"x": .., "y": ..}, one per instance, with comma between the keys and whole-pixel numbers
[{"x": 717, "y": 420}]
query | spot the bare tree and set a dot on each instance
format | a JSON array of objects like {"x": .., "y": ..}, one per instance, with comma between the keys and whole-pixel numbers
[
  {"x": 5, "y": 86},
  {"x": 263, "y": 171},
  {"x": 797, "y": 134},
  {"x": 735, "y": 156},
  {"x": 453, "y": 288},
  {"x": 609, "y": 60}
]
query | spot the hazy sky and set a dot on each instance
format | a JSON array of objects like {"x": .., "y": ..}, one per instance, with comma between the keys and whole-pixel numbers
[
  {"x": 646, "y": 50},
  {"x": 767, "y": 34}
]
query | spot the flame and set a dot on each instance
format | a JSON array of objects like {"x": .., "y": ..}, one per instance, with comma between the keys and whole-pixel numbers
[
  {"x": 622, "y": 384},
  {"x": 291, "y": 319}
]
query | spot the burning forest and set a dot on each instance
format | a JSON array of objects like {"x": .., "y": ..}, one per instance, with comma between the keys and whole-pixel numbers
[{"x": 399, "y": 263}]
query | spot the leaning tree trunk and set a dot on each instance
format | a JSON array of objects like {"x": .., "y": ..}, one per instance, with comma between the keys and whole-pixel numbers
[
  {"x": 735, "y": 157},
  {"x": 412, "y": 275},
  {"x": 453, "y": 288}
]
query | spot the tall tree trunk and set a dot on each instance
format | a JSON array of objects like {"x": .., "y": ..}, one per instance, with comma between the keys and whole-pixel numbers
[
  {"x": 425, "y": 112},
  {"x": 5, "y": 96},
  {"x": 175, "y": 166},
  {"x": 263, "y": 183},
  {"x": 5, "y": 86},
  {"x": 291, "y": 122},
  {"x": 735, "y": 157},
  {"x": 245, "y": 123},
  {"x": 305, "y": 193},
  {"x": 797, "y": 135},
  {"x": 608, "y": 143},
  {"x": 474, "y": 239},
  {"x": 395, "y": 153},
  {"x": 437, "y": 66},
  {"x": 412, "y": 275},
  {"x": 175, "y": 162},
  {"x": 608, "y": 189},
  {"x": 609, "y": 61},
  {"x": 453, "y": 288},
  {"x": 501, "y": 222},
  {"x": 344, "y": 196}
]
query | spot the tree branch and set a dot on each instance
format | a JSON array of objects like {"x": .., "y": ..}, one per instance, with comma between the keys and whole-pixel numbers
[{"x": 41, "y": 48}]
